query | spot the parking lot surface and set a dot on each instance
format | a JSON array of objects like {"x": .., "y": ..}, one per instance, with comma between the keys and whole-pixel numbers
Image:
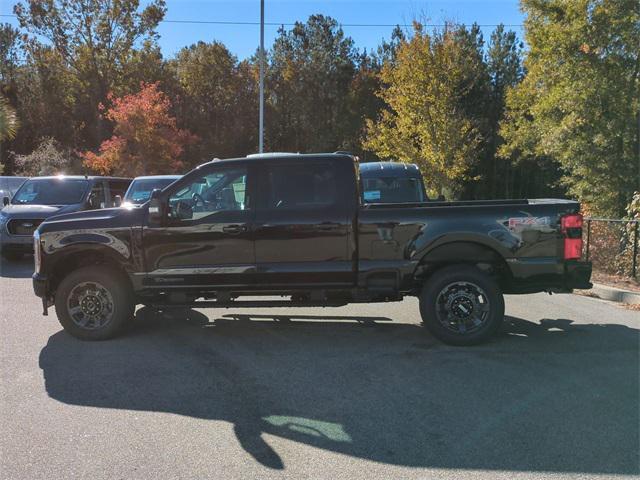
[{"x": 354, "y": 392}]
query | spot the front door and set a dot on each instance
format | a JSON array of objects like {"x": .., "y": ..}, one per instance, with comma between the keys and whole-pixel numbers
[
  {"x": 302, "y": 226},
  {"x": 206, "y": 237}
]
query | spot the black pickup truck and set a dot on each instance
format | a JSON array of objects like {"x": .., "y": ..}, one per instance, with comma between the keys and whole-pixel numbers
[{"x": 295, "y": 228}]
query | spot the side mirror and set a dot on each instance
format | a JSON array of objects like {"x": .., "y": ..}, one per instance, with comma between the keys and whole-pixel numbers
[
  {"x": 5, "y": 201},
  {"x": 184, "y": 210},
  {"x": 117, "y": 201},
  {"x": 155, "y": 206}
]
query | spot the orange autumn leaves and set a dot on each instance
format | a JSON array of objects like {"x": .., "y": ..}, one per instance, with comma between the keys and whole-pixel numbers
[{"x": 145, "y": 141}]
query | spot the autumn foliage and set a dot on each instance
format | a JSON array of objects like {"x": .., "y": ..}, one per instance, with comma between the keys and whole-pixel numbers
[{"x": 145, "y": 141}]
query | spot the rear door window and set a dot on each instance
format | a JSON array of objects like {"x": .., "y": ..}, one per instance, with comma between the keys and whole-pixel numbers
[{"x": 307, "y": 186}]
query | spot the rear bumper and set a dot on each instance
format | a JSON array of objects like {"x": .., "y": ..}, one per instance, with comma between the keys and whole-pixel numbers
[
  {"x": 578, "y": 274},
  {"x": 530, "y": 275}
]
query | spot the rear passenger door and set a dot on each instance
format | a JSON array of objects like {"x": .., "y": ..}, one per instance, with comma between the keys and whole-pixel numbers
[{"x": 302, "y": 224}]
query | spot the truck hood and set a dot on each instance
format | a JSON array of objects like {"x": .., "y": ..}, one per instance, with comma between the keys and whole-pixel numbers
[
  {"x": 35, "y": 211},
  {"x": 95, "y": 219}
]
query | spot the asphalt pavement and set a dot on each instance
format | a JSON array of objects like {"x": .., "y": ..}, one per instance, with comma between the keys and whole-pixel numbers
[{"x": 361, "y": 391}]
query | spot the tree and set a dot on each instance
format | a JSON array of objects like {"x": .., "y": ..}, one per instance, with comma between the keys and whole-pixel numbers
[
  {"x": 10, "y": 46},
  {"x": 580, "y": 101},
  {"x": 96, "y": 41},
  {"x": 308, "y": 85},
  {"x": 8, "y": 120},
  {"x": 430, "y": 120},
  {"x": 504, "y": 70},
  {"x": 216, "y": 98},
  {"x": 146, "y": 140},
  {"x": 49, "y": 158}
]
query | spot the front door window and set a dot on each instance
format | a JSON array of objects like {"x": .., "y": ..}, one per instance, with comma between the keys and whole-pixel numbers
[{"x": 218, "y": 191}]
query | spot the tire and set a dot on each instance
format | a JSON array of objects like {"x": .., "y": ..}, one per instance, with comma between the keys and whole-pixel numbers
[
  {"x": 94, "y": 303},
  {"x": 12, "y": 255},
  {"x": 461, "y": 306}
]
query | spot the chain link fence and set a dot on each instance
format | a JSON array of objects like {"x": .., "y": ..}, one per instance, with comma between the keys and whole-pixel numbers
[{"x": 612, "y": 246}]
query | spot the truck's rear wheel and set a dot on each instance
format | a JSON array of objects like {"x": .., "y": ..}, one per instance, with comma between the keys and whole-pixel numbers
[
  {"x": 94, "y": 303},
  {"x": 460, "y": 305}
]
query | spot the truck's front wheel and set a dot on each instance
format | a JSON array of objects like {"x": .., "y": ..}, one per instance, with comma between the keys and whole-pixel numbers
[
  {"x": 94, "y": 303},
  {"x": 460, "y": 305}
]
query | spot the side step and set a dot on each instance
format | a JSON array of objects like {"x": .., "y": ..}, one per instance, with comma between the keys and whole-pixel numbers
[{"x": 248, "y": 304}]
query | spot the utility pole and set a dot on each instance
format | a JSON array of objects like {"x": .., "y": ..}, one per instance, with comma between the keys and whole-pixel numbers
[{"x": 261, "y": 140}]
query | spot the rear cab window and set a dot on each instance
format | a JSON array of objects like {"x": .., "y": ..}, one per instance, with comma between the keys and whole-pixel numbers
[{"x": 392, "y": 190}]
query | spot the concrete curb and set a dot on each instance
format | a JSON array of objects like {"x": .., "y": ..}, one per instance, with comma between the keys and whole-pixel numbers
[{"x": 615, "y": 294}]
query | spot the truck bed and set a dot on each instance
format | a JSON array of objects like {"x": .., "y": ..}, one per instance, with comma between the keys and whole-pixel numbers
[{"x": 473, "y": 203}]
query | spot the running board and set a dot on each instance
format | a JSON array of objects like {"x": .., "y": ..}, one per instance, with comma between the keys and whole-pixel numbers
[{"x": 247, "y": 304}]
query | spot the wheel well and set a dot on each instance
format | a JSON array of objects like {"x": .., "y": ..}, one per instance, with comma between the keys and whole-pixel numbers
[
  {"x": 478, "y": 255},
  {"x": 73, "y": 261}
]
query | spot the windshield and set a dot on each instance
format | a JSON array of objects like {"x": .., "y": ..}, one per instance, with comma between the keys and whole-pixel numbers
[
  {"x": 140, "y": 190},
  {"x": 51, "y": 191},
  {"x": 392, "y": 190}
]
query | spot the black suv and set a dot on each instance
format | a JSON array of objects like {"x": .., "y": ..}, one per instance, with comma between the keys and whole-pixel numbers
[{"x": 43, "y": 197}]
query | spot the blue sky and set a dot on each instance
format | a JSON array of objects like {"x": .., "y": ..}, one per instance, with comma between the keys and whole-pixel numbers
[{"x": 243, "y": 40}]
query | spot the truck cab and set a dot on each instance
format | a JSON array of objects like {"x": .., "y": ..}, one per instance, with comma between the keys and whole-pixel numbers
[{"x": 391, "y": 182}]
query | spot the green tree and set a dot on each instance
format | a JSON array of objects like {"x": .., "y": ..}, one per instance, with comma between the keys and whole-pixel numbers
[
  {"x": 504, "y": 62},
  {"x": 431, "y": 119},
  {"x": 215, "y": 98},
  {"x": 580, "y": 101},
  {"x": 311, "y": 70},
  {"x": 9, "y": 60},
  {"x": 10, "y": 53},
  {"x": 96, "y": 41},
  {"x": 8, "y": 120}
]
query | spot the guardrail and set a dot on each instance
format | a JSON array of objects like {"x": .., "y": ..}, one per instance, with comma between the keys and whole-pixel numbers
[{"x": 612, "y": 245}]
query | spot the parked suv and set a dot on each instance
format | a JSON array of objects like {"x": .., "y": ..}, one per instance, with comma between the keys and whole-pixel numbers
[
  {"x": 9, "y": 185},
  {"x": 43, "y": 197},
  {"x": 140, "y": 189}
]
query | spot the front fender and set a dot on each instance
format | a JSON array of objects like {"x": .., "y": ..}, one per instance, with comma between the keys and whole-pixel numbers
[{"x": 65, "y": 250}]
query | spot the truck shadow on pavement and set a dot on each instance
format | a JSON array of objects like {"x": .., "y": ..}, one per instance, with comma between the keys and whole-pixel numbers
[{"x": 548, "y": 396}]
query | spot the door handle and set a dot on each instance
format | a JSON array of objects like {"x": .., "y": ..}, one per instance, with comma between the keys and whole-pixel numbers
[{"x": 234, "y": 229}]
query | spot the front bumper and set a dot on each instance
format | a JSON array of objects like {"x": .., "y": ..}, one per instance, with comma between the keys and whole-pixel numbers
[
  {"x": 40, "y": 285},
  {"x": 41, "y": 289},
  {"x": 17, "y": 243}
]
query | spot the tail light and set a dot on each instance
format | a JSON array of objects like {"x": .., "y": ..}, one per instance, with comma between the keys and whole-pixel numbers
[{"x": 571, "y": 227}]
